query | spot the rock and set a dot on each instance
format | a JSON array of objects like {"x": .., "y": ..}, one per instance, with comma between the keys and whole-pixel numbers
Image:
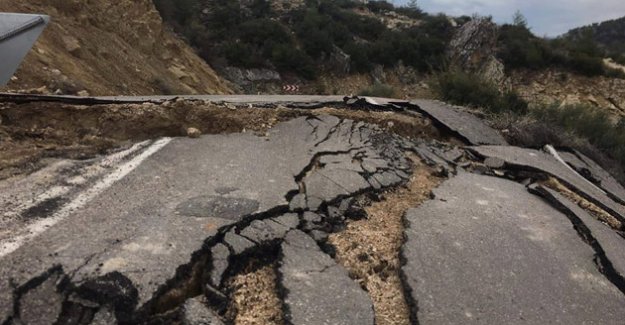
[
  {"x": 338, "y": 61},
  {"x": 193, "y": 133},
  {"x": 83, "y": 93},
  {"x": 72, "y": 44},
  {"x": 378, "y": 75},
  {"x": 473, "y": 48},
  {"x": 246, "y": 77},
  {"x": 494, "y": 162}
]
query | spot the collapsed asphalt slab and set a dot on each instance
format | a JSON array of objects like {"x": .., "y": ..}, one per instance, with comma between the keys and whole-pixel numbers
[
  {"x": 465, "y": 125},
  {"x": 138, "y": 237},
  {"x": 595, "y": 173},
  {"x": 317, "y": 290},
  {"x": 534, "y": 160},
  {"x": 608, "y": 244},
  {"x": 486, "y": 251}
]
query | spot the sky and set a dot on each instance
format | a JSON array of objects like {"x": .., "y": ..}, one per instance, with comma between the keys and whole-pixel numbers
[{"x": 545, "y": 17}]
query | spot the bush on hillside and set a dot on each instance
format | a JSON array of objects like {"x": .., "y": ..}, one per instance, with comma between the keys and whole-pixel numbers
[
  {"x": 460, "y": 88},
  {"x": 590, "y": 123},
  {"x": 519, "y": 48},
  {"x": 380, "y": 6},
  {"x": 256, "y": 38},
  {"x": 379, "y": 90}
]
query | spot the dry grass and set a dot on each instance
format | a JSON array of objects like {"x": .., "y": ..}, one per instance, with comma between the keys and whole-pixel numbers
[
  {"x": 369, "y": 248},
  {"x": 254, "y": 300},
  {"x": 590, "y": 207}
]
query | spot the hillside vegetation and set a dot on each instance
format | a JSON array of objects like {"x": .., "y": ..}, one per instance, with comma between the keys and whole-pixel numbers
[
  {"x": 519, "y": 48},
  {"x": 609, "y": 35},
  {"x": 303, "y": 39}
]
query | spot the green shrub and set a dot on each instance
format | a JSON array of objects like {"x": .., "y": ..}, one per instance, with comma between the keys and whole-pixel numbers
[
  {"x": 586, "y": 65},
  {"x": 588, "y": 122},
  {"x": 379, "y": 90},
  {"x": 460, "y": 88},
  {"x": 380, "y": 6},
  {"x": 287, "y": 58}
]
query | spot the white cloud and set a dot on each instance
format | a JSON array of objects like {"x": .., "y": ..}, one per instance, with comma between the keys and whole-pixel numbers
[{"x": 546, "y": 17}]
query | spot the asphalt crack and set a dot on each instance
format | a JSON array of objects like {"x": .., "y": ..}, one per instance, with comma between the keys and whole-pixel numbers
[{"x": 604, "y": 265}]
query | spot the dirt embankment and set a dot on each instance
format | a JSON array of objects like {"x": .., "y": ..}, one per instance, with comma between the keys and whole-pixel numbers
[
  {"x": 109, "y": 48},
  {"x": 29, "y": 133},
  {"x": 558, "y": 86}
]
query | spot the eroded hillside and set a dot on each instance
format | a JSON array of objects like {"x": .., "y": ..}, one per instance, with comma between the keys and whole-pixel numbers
[{"x": 109, "y": 48}]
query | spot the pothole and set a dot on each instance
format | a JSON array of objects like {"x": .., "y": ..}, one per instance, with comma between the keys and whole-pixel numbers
[{"x": 369, "y": 248}]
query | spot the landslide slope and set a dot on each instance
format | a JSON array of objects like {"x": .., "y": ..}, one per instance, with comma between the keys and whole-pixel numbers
[{"x": 109, "y": 48}]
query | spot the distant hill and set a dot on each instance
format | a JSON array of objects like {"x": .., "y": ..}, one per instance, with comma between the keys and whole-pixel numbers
[{"x": 610, "y": 35}]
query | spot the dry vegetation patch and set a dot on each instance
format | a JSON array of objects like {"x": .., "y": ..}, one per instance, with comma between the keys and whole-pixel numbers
[{"x": 254, "y": 298}]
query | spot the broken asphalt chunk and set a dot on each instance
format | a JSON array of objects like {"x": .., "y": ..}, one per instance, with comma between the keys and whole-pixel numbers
[
  {"x": 238, "y": 244},
  {"x": 318, "y": 291},
  {"x": 608, "y": 245},
  {"x": 529, "y": 159},
  {"x": 220, "y": 255},
  {"x": 467, "y": 126}
]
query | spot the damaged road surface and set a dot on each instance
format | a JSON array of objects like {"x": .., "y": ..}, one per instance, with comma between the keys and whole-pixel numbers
[
  {"x": 167, "y": 225},
  {"x": 298, "y": 210},
  {"x": 486, "y": 251}
]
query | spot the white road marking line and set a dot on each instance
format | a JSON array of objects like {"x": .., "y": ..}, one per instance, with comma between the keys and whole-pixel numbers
[
  {"x": 36, "y": 228},
  {"x": 58, "y": 191}
]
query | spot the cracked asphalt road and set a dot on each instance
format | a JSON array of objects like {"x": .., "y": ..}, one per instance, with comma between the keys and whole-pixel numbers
[
  {"x": 486, "y": 251},
  {"x": 181, "y": 197},
  {"x": 155, "y": 232}
]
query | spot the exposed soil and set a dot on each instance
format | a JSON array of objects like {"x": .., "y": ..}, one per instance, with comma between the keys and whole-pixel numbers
[
  {"x": 255, "y": 299},
  {"x": 31, "y": 132},
  {"x": 109, "y": 48},
  {"x": 369, "y": 248},
  {"x": 590, "y": 207}
]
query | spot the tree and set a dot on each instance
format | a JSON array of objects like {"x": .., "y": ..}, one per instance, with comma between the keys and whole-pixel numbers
[{"x": 519, "y": 20}]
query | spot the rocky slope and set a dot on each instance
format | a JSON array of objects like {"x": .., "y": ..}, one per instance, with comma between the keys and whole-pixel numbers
[
  {"x": 109, "y": 48},
  {"x": 546, "y": 87}
]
